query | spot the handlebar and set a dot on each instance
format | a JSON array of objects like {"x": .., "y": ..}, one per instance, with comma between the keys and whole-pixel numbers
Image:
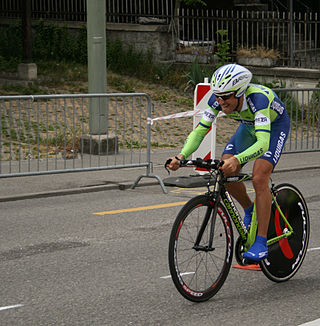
[{"x": 199, "y": 163}]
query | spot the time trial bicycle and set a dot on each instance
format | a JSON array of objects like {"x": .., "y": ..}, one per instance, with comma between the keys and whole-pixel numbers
[{"x": 201, "y": 243}]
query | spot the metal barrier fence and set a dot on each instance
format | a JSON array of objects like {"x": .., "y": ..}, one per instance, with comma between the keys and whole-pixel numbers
[
  {"x": 303, "y": 107},
  {"x": 45, "y": 134}
]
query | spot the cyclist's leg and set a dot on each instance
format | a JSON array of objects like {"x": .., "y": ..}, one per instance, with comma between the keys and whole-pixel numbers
[
  {"x": 238, "y": 189},
  {"x": 262, "y": 170},
  {"x": 242, "y": 139},
  {"x": 261, "y": 173}
]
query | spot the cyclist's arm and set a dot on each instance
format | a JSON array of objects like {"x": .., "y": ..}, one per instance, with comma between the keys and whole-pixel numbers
[
  {"x": 196, "y": 136},
  {"x": 262, "y": 131}
]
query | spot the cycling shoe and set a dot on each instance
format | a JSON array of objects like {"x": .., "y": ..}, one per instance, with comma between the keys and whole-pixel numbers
[{"x": 258, "y": 250}]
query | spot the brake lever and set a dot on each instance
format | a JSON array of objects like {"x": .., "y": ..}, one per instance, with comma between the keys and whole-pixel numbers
[
  {"x": 167, "y": 163},
  {"x": 221, "y": 163}
]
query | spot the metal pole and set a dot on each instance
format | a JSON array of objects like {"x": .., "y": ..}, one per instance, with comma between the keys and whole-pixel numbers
[
  {"x": 97, "y": 68},
  {"x": 291, "y": 33},
  {"x": 26, "y": 31}
]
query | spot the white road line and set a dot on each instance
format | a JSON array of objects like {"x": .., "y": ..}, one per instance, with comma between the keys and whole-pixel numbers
[
  {"x": 169, "y": 276},
  {"x": 312, "y": 249},
  {"x": 11, "y": 307},
  {"x": 315, "y": 322}
]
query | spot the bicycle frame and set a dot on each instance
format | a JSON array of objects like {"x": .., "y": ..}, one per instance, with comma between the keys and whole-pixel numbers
[
  {"x": 288, "y": 226},
  {"x": 220, "y": 193},
  {"x": 195, "y": 249},
  {"x": 248, "y": 237}
]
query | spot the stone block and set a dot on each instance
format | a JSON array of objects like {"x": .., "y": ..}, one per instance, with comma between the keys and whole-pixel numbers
[
  {"x": 99, "y": 144},
  {"x": 255, "y": 61},
  {"x": 27, "y": 71},
  {"x": 188, "y": 58}
]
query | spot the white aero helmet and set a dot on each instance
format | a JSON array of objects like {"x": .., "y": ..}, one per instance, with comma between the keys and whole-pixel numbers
[{"x": 231, "y": 78}]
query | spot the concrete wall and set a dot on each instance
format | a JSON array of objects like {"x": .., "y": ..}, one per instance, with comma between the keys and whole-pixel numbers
[
  {"x": 144, "y": 37},
  {"x": 298, "y": 78},
  {"x": 158, "y": 38},
  {"x": 292, "y": 77}
]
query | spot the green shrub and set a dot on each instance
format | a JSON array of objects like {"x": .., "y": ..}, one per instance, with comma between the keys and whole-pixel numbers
[
  {"x": 50, "y": 42},
  {"x": 11, "y": 41},
  {"x": 57, "y": 43},
  {"x": 223, "y": 49},
  {"x": 129, "y": 61},
  {"x": 9, "y": 64},
  {"x": 54, "y": 47},
  {"x": 196, "y": 74}
]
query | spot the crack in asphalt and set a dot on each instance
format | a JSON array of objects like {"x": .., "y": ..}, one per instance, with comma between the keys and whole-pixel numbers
[{"x": 18, "y": 253}]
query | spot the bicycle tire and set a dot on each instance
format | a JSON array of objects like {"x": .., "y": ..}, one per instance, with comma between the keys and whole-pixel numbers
[
  {"x": 286, "y": 256},
  {"x": 198, "y": 275}
]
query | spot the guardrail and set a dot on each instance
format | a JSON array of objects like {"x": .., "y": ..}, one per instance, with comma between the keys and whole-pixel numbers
[
  {"x": 303, "y": 107},
  {"x": 47, "y": 134}
]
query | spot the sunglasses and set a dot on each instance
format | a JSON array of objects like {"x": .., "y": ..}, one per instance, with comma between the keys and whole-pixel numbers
[{"x": 224, "y": 97}]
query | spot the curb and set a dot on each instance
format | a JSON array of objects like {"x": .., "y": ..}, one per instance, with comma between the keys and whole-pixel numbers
[
  {"x": 62, "y": 192},
  {"x": 118, "y": 186}
]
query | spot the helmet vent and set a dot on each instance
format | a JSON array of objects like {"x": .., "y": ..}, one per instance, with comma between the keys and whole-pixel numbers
[{"x": 231, "y": 78}]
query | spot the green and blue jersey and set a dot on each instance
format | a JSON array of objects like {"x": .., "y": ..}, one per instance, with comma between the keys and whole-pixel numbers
[{"x": 261, "y": 110}]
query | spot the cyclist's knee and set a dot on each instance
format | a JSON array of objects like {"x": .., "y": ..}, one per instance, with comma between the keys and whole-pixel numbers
[
  {"x": 261, "y": 175},
  {"x": 260, "y": 182}
]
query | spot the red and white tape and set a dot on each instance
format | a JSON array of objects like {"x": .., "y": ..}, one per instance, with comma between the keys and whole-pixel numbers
[
  {"x": 181, "y": 115},
  {"x": 176, "y": 115}
]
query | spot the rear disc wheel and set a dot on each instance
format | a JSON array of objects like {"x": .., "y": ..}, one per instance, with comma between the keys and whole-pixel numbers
[{"x": 286, "y": 256}]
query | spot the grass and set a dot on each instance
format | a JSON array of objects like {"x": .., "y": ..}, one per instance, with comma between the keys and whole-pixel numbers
[
  {"x": 167, "y": 91},
  {"x": 259, "y": 52}
]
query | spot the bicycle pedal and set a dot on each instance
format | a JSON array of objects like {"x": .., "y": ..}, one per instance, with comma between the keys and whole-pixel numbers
[{"x": 249, "y": 262}]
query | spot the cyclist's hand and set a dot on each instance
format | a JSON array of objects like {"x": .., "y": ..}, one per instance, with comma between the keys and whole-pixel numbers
[
  {"x": 230, "y": 166},
  {"x": 174, "y": 164}
]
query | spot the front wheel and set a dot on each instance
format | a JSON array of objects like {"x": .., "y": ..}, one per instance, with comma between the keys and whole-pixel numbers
[
  {"x": 199, "y": 270},
  {"x": 286, "y": 255}
]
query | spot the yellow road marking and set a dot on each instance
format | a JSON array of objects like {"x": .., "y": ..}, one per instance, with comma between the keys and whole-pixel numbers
[
  {"x": 189, "y": 191},
  {"x": 197, "y": 191},
  {"x": 143, "y": 208}
]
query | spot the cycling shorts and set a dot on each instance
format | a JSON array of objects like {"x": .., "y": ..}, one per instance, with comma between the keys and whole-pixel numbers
[{"x": 245, "y": 137}]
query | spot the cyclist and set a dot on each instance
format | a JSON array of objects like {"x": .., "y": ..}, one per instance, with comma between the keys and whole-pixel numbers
[{"x": 263, "y": 130}]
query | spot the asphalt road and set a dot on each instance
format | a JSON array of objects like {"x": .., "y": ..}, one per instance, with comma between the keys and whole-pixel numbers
[{"x": 63, "y": 264}]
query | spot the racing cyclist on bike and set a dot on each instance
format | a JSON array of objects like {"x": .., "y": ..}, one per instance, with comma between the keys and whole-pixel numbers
[{"x": 263, "y": 130}]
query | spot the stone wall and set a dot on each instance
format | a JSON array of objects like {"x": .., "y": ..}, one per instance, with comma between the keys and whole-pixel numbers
[
  {"x": 143, "y": 37},
  {"x": 156, "y": 37},
  {"x": 292, "y": 77},
  {"x": 296, "y": 78}
]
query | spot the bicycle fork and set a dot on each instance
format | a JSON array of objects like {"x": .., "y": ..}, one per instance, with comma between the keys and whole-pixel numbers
[{"x": 211, "y": 212}]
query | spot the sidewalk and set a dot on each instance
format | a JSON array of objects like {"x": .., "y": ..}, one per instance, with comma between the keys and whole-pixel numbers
[{"x": 71, "y": 183}]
